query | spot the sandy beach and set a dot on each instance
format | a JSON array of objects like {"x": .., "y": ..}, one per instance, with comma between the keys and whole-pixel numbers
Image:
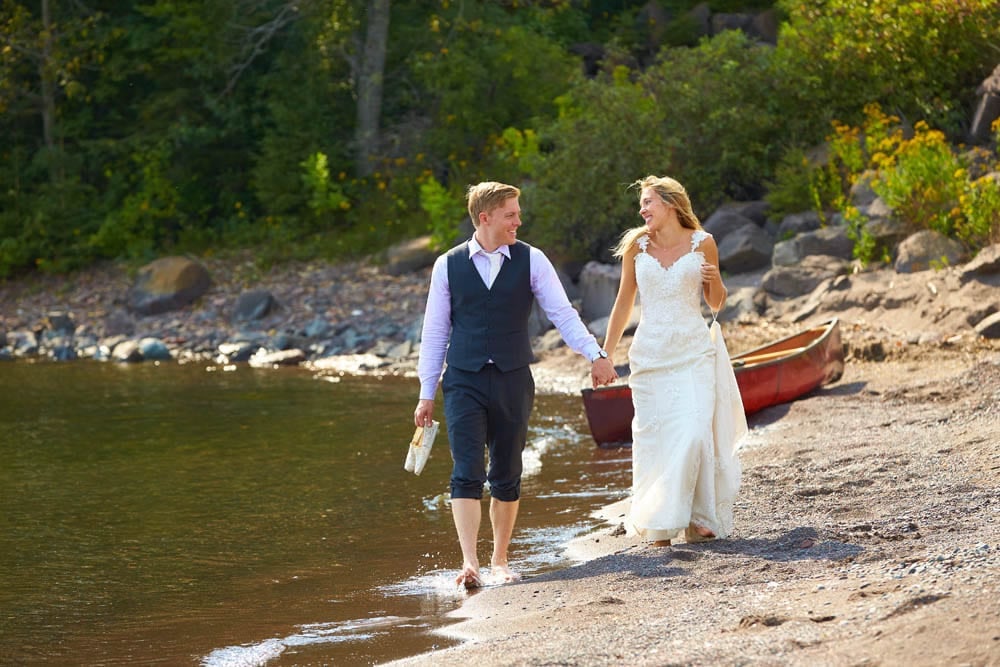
[{"x": 866, "y": 533}]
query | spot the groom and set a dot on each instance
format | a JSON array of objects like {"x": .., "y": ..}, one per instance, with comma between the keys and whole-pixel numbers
[{"x": 481, "y": 294}]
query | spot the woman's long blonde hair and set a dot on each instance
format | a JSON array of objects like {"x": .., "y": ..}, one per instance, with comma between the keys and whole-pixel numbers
[{"x": 673, "y": 194}]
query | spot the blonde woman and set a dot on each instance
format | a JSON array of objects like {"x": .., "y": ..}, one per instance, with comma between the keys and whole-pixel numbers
[{"x": 683, "y": 480}]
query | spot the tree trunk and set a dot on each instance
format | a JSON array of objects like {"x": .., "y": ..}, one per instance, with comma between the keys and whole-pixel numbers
[
  {"x": 370, "y": 83},
  {"x": 48, "y": 90}
]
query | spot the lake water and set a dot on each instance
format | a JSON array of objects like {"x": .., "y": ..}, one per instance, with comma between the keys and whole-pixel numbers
[{"x": 196, "y": 515}]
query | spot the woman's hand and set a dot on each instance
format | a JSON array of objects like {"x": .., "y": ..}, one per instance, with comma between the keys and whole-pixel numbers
[{"x": 710, "y": 273}]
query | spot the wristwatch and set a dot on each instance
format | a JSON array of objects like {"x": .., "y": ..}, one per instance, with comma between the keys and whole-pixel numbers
[{"x": 601, "y": 354}]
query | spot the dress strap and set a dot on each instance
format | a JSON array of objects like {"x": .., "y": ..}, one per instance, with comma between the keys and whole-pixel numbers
[
  {"x": 643, "y": 241},
  {"x": 696, "y": 238}
]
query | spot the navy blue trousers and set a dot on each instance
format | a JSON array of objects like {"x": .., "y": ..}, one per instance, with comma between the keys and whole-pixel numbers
[{"x": 487, "y": 411}]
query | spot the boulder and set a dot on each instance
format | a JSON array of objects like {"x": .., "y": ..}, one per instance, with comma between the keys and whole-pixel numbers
[
  {"x": 254, "y": 305},
  {"x": 927, "y": 249},
  {"x": 832, "y": 241},
  {"x": 598, "y": 289},
  {"x": 166, "y": 284},
  {"x": 984, "y": 267},
  {"x": 746, "y": 249},
  {"x": 798, "y": 223},
  {"x": 789, "y": 281},
  {"x": 724, "y": 222}
]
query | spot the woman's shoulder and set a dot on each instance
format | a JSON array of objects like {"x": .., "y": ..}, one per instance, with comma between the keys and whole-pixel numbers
[{"x": 699, "y": 236}]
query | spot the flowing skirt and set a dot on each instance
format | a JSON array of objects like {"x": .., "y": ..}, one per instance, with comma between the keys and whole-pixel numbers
[{"x": 683, "y": 472}]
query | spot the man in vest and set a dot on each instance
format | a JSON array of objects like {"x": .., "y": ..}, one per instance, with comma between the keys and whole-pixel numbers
[{"x": 480, "y": 297}]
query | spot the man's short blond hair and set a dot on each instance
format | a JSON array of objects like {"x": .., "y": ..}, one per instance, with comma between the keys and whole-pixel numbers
[{"x": 487, "y": 196}]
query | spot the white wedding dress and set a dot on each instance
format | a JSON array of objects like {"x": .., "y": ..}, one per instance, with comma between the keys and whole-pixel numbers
[{"x": 682, "y": 472}]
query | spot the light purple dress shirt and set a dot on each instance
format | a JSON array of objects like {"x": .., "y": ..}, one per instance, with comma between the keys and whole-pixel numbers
[{"x": 545, "y": 286}]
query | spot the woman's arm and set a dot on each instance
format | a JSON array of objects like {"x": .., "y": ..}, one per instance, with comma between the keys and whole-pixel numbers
[
  {"x": 621, "y": 312},
  {"x": 711, "y": 276}
]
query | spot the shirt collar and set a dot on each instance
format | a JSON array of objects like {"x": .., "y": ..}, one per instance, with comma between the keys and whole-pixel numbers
[{"x": 474, "y": 247}]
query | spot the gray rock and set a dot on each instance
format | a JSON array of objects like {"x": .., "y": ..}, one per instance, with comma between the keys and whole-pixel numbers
[
  {"x": 862, "y": 195},
  {"x": 119, "y": 323},
  {"x": 724, "y": 222},
  {"x": 168, "y": 283},
  {"x": 154, "y": 349},
  {"x": 239, "y": 351},
  {"x": 789, "y": 281},
  {"x": 745, "y": 249},
  {"x": 927, "y": 249},
  {"x": 598, "y": 287},
  {"x": 22, "y": 343},
  {"x": 797, "y": 223},
  {"x": 60, "y": 322},
  {"x": 599, "y": 327},
  {"x": 64, "y": 351},
  {"x": 127, "y": 351},
  {"x": 985, "y": 266},
  {"x": 254, "y": 305},
  {"x": 989, "y": 327},
  {"x": 265, "y": 359},
  {"x": 831, "y": 241}
]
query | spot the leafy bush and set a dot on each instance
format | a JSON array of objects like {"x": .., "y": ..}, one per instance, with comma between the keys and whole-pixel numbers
[
  {"x": 919, "y": 176},
  {"x": 703, "y": 116},
  {"x": 919, "y": 57}
]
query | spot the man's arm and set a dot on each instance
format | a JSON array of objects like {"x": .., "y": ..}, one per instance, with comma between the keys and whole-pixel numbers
[
  {"x": 552, "y": 298},
  {"x": 433, "y": 340}
]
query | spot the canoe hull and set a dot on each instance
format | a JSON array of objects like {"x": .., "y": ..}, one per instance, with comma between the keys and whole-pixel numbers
[{"x": 769, "y": 375}]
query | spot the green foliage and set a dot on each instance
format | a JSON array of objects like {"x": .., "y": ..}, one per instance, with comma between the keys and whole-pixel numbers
[
  {"x": 607, "y": 136},
  {"x": 919, "y": 176},
  {"x": 326, "y": 196},
  {"x": 214, "y": 124},
  {"x": 919, "y": 57},
  {"x": 801, "y": 184},
  {"x": 703, "y": 116},
  {"x": 445, "y": 210},
  {"x": 147, "y": 215},
  {"x": 483, "y": 78}
]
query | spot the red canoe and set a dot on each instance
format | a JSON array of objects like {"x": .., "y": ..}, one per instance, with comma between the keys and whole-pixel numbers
[{"x": 769, "y": 375}]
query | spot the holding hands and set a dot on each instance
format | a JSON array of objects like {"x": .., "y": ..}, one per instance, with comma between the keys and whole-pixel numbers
[{"x": 602, "y": 372}]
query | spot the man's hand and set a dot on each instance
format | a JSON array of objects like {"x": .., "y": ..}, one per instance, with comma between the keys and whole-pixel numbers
[
  {"x": 424, "y": 414},
  {"x": 602, "y": 372}
]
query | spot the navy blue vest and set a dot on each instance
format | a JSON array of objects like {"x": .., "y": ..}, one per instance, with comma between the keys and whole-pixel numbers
[{"x": 490, "y": 323}]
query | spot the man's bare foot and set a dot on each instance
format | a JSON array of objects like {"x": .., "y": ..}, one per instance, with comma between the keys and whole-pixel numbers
[
  {"x": 468, "y": 579},
  {"x": 503, "y": 573}
]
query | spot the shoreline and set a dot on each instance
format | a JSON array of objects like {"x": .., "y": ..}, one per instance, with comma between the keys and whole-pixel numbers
[{"x": 883, "y": 550}]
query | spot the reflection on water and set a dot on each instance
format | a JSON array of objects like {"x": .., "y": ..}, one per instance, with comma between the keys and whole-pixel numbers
[{"x": 170, "y": 515}]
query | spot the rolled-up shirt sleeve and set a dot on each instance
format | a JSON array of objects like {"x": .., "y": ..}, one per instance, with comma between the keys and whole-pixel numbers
[
  {"x": 551, "y": 296},
  {"x": 436, "y": 330}
]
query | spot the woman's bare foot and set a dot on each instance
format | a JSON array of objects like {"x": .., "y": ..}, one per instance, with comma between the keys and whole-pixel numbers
[
  {"x": 695, "y": 533},
  {"x": 468, "y": 579},
  {"x": 504, "y": 573}
]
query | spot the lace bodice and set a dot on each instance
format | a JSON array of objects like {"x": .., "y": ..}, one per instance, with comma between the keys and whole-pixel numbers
[{"x": 672, "y": 328}]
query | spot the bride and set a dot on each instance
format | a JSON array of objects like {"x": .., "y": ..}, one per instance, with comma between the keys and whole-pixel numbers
[{"x": 685, "y": 474}]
